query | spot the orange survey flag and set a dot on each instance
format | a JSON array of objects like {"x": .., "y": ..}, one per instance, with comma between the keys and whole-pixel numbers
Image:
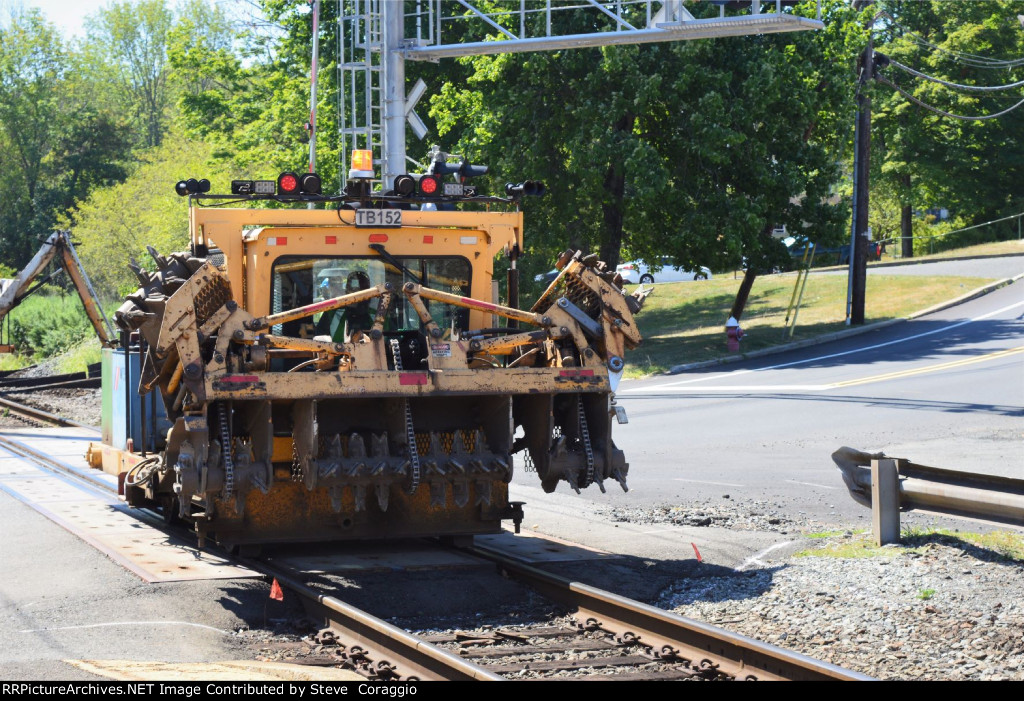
[{"x": 275, "y": 591}]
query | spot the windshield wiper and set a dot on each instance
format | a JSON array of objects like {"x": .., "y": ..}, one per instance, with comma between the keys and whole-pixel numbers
[{"x": 382, "y": 252}]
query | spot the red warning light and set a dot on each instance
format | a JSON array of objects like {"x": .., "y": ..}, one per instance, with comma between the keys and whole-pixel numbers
[
  {"x": 288, "y": 183},
  {"x": 428, "y": 185}
]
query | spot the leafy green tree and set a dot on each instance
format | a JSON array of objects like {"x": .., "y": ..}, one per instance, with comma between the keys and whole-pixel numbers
[
  {"x": 117, "y": 223},
  {"x": 935, "y": 160},
  {"x": 54, "y": 145},
  {"x": 32, "y": 70},
  {"x": 254, "y": 105},
  {"x": 132, "y": 38},
  {"x": 693, "y": 149}
]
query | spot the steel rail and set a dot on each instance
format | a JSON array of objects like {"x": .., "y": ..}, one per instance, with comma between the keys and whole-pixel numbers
[
  {"x": 410, "y": 658},
  {"x": 398, "y": 653},
  {"x": 35, "y": 414},
  {"x": 671, "y": 636},
  {"x": 6, "y": 381},
  {"x": 81, "y": 383}
]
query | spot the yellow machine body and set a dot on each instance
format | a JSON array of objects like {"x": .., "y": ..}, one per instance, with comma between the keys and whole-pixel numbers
[{"x": 400, "y": 421}]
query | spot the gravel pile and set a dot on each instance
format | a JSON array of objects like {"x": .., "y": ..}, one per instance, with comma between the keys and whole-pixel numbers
[
  {"x": 743, "y": 515},
  {"x": 935, "y": 608},
  {"x": 81, "y": 405}
]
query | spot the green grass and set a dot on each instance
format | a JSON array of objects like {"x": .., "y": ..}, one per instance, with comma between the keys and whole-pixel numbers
[
  {"x": 1003, "y": 545},
  {"x": 685, "y": 322},
  {"x": 925, "y": 594},
  {"x": 47, "y": 325},
  {"x": 79, "y": 357},
  {"x": 981, "y": 249},
  {"x": 834, "y": 534},
  {"x": 856, "y": 548},
  {"x": 13, "y": 361}
]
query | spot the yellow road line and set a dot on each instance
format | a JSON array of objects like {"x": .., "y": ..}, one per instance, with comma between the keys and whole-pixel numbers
[{"x": 930, "y": 368}]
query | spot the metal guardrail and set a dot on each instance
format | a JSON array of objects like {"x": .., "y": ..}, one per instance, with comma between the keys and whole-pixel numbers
[{"x": 890, "y": 485}]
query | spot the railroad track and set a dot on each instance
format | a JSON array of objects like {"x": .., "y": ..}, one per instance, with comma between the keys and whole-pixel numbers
[
  {"x": 606, "y": 636},
  {"x": 35, "y": 416},
  {"x": 91, "y": 377}
]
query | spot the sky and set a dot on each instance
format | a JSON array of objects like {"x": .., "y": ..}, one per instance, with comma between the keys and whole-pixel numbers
[{"x": 68, "y": 15}]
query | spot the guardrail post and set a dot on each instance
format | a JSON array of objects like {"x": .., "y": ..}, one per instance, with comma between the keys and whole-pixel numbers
[{"x": 885, "y": 501}]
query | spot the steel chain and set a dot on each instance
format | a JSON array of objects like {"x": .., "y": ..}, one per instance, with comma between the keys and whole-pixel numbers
[
  {"x": 410, "y": 432},
  {"x": 226, "y": 449},
  {"x": 585, "y": 437}
]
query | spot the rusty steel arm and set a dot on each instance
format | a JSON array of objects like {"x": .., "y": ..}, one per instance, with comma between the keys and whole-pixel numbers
[
  {"x": 58, "y": 246},
  {"x": 503, "y": 345},
  {"x": 308, "y": 345},
  {"x": 265, "y": 322},
  {"x": 411, "y": 289},
  {"x": 14, "y": 291},
  {"x": 91, "y": 303},
  {"x": 951, "y": 492}
]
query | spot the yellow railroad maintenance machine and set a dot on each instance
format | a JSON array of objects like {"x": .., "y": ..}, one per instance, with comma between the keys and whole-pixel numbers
[{"x": 348, "y": 373}]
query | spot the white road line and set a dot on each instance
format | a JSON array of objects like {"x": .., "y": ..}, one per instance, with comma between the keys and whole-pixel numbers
[
  {"x": 898, "y": 375},
  {"x": 719, "y": 376},
  {"x": 756, "y": 559},
  {"x": 752, "y": 388},
  {"x": 128, "y": 623},
  {"x": 812, "y": 484},
  {"x": 719, "y": 484}
]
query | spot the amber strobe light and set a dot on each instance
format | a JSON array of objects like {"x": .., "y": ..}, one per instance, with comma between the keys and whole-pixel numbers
[{"x": 362, "y": 164}]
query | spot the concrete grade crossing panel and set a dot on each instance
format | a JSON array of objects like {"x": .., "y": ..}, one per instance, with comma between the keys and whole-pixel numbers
[{"x": 74, "y": 500}]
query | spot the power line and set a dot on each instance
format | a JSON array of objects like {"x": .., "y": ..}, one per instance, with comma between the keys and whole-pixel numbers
[
  {"x": 971, "y": 59},
  {"x": 940, "y": 81},
  {"x": 975, "y": 60},
  {"x": 904, "y": 93}
]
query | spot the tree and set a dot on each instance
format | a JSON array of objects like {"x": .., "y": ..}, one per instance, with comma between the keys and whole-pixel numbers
[
  {"x": 117, "y": 223},
  {"x": 132, "y": 37},
  {"x": 254, "y": 110},
  {"x": 694, "y": 149},
  {"x": 54, "y": 145},
  {"x": 32, "y": 68},
  {"x": 930, "y": 159}
]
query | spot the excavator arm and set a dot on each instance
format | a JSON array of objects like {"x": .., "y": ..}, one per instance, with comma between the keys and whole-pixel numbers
[{"x": 57, "y": 247}]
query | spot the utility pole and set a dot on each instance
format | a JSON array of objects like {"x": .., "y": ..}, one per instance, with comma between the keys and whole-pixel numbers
[{"x": 861, "y": 167}]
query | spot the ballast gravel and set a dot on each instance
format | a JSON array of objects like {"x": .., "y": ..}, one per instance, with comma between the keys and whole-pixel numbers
[{"x": 941, "y": 610}]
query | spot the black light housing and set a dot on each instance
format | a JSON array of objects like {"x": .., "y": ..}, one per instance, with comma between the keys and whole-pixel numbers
[
  {"x": 405, "y": 185},
  {"x": 192, "y": 187},
  {"x": 310, "y": 183},
  {"x": 533, "y": 188}
]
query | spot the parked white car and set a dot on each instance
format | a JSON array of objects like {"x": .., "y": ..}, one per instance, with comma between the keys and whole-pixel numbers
[{"x": 637, "y": 271}]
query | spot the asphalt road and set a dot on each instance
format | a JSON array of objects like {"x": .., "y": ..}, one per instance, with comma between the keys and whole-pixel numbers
[{"x": 946, "y": 390}]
